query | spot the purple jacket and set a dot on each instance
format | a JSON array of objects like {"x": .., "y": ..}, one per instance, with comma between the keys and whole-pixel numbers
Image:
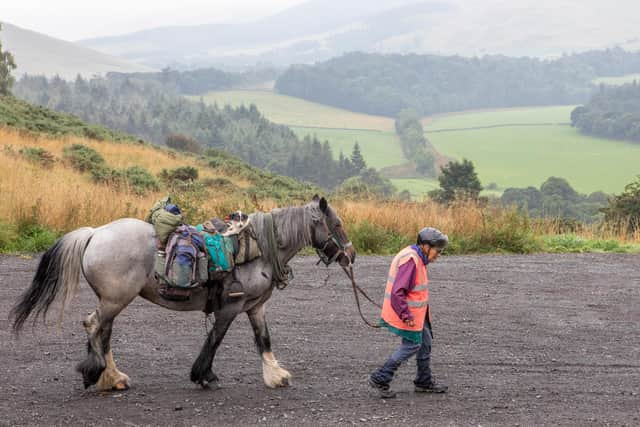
[{"x": 404, "y": 283}]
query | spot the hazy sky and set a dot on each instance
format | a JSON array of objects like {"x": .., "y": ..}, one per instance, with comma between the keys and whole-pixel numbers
[{"x": 78, "y": 19}]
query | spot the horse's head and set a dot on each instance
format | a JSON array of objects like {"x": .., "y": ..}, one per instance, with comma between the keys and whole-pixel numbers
[{"x": 328, "y": 235}]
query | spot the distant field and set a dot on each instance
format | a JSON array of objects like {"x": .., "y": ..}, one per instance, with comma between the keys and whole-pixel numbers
[
  {"x": 376, "y": 135},
  {"x": 509, "y": 116},
  {"x": 524, "y": 156},
  {"x": 507, "y": 155},
  {"x": 616, "y": 81},
  {"x": 298, "y": 112},
  {"x": 379, "y": 149},
  {"x": 419, "y": 187},
  {"x": 416, "y": 186}
]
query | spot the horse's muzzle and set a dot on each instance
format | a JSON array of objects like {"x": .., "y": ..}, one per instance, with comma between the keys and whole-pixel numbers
[{"x": 348, "y": 257}]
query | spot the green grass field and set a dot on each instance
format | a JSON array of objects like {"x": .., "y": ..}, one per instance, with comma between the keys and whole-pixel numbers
[
  {"x": 379, "y": 149},
  {"x": 298, "y": 112},
  {"x": 509, "y": 116},
  {"x": 617, "y": 81},
  {"x": 527, "y": 156},
  {"x": 416, "y": 186},
  {"x": 508, "y": 155}
]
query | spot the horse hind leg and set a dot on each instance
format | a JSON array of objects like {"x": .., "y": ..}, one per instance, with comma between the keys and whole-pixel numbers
[
  {"x": 94, "y": 364},
  {"x": 272, "y": 373},
  {"x": 99, "y": 366}
]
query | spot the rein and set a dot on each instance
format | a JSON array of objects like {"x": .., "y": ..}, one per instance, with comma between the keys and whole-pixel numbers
[
  {"x": 348, "y": 271},
  {"x": 356, "y": 289}
]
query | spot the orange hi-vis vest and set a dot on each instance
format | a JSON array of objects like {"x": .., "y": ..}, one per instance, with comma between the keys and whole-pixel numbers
[{"x": 417, "y": 299}]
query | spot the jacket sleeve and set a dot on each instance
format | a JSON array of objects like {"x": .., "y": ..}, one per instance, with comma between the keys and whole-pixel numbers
[{"x": 403, "y": 284}]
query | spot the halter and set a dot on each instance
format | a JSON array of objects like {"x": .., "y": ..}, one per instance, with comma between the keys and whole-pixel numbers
[{"x": 342, "y": 250}]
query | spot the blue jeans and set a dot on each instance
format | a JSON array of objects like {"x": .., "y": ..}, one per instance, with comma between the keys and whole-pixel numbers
[{"x": 407, "y": 349}]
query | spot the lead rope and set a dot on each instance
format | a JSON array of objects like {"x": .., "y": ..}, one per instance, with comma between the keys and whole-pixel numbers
[{"x": 357, "y": 289}]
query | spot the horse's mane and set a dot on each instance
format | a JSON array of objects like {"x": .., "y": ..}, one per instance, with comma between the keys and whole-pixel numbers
[{"x": 293, "y": 225}]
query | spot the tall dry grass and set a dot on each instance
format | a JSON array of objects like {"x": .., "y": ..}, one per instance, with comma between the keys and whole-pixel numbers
[
  {"x": 117, "y": 155},
  {"x": 62, "y": 199}
]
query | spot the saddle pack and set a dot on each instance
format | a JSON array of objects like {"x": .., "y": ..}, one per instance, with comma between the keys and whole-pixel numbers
[
  {"x": 190, "y": 256},
  {"x": 221, "y": 253},
  {"x": 184, "y": 263},
  {"x": 229, "y": 243},
  {"x": 165, "y": 217}
]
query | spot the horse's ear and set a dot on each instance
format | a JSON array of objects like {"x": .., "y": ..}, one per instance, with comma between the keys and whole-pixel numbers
[
  {"x": 316, "y": 198},
  {"x": 323, "y": 205}
]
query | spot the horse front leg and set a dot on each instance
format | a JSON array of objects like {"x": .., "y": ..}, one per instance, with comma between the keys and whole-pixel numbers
[
  {"x": 201, "y": 372},
  {"x": 273, "y": 375}
]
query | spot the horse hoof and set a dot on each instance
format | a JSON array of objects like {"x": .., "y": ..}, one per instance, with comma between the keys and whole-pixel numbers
[
  {"x": 209, "y": 379},
  {"x": 121, "y": 386},
  {"x": 285, "y": 382}
]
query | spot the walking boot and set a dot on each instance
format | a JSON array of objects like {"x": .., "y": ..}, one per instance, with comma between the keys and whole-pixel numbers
[
  {"x": 431, "y": 387},
  {"x": 383, "y": 390}
]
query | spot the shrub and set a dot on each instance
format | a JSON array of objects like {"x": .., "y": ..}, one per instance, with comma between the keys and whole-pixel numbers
[
  {"x": 37, "y": 155},
  {"x": 140, "y": 180},
  {"x": 183, "y": 143},
  {"x": 220, "y": 183},
  {"x": 181, "y": 174},
  {"x": 370, "y": 238},
  {"x": 8, "y": 235},
  {"x": 624, "y": 210},
  {"x": 106, "y": 175},
  {"x": 82, "y": 158},
  {"x": 190, "y": 198},
  {"x": 26, "y": 236},
  {"x": 571, "y": 243}
]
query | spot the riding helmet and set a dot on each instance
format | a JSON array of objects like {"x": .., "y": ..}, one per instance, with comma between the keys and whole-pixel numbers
[{"x": 432, "y": 237}]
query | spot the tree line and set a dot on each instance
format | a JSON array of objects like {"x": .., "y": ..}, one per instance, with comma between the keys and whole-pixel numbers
[
  {"x": 200, "y": 81},
  {"x": 428, "y": 84},
  {"x": 613, "y": 112},
  {"x": 556, "y": 198},
  {"x": 146, "y": 109},
  {"x": 414, "y": 145}
]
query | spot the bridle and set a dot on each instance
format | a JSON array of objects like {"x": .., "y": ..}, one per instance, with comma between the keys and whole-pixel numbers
[
  {"x": 341, "y": 250},
  {"x": 341, "y": 247}
]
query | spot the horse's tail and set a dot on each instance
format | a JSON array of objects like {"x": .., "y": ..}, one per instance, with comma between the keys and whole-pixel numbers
[{"x": 59, "y": 269}]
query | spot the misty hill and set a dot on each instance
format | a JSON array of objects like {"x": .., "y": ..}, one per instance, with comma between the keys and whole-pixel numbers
[
  {"x": 314, "y": 31},
  {"x": 39, "y": 54}
]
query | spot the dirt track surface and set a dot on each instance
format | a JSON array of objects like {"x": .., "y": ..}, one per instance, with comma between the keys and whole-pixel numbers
[{"x": 521, "y": 340}]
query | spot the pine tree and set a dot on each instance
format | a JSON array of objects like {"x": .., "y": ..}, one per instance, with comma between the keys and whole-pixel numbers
[
  {"x": 356, "y": 158},
  {"x": 7, "y": 64}
]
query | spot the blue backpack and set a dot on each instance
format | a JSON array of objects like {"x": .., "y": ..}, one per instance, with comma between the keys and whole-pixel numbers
[{"x": 186, "y": 262}]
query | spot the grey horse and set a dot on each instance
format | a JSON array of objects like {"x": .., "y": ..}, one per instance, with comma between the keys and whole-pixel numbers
[{"x": 117, "y": 261}]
